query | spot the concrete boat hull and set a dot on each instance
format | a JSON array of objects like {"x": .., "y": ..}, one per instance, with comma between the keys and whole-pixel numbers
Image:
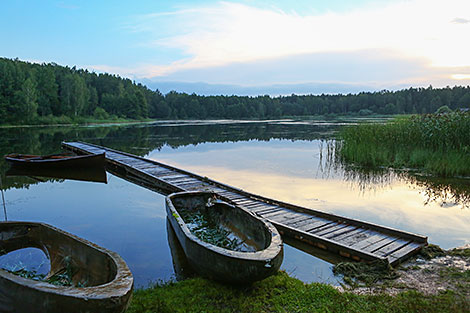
[
  {"x": 109, "y": 282},
  {"x": 229, "y": 266}
]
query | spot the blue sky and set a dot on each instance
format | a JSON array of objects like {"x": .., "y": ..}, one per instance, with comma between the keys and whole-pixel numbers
[{"x": 380, "y": 44}]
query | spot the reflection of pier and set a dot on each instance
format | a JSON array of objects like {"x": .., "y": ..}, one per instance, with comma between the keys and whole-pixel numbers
[{"x": 347, "y": 237}]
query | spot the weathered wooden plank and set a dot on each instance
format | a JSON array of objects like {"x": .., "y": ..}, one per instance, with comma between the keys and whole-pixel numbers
[
  {"x": 158, "y": 172},
  {"x": 290, "y": 221},
  {"x": 310, "y": 220},
  {"x": 196, "y": 188},
  {"x": 370, "y": 240},
  {"x": 134, "y": 162},
  {"x": 341, "y": 231},
  {"x": 313, "y": 225},
  {"x": 124, "y": 159},
  {"x": 218, "y": 189},
  {"x": 322, "y": 228},
  {"x": 157, "y": 169},
  {"x": 170, "y": 175},
  {"x": 329, "y": 230},
  {"x": 234, "y": 197},
  {"x": 264, "y": 207},
  {"x": 271, "y": 215},
  {"x": 145, "y": 166},
  {"x": 228, "y": 192},
  {"x": 354, "y": 232},
  {"x": 287, "y": 217},
  {"x": 405, "y": 251},
  {"x": 357, "y": 238},
  {"x": 193, "y": 185},
  {"x": 184, "y": 179},
  {"x": 389, "y": 249},
  {"x": 268, "y": 209},
  {"x": 379, "y": 244},
  {"x": 243, "y": 201},
  {"x": 254, "y": 205},
  {"x": 96, "y": 150}
]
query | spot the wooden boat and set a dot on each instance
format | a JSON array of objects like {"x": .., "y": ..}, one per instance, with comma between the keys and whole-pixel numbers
[
  {"x": 56, "y": 161},
  {"x": 258, "y": 251},
  {"x": 107, "y": 280}
]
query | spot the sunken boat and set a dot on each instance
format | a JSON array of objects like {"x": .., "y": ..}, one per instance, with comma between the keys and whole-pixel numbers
[
  {"x": 224, "y": 242},
  {"x": 56, "y": 161},
  {"x": 99, "y": 279}
]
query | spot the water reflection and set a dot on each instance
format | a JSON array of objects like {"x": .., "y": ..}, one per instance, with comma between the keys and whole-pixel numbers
[
  {"x": 181, "y": 265},
  {"x": 285, "y": 160},
  {"x": 26, "y": 261},
  {"x": 86, "y": 174}
]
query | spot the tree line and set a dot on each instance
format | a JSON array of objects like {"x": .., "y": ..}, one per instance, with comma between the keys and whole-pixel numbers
[{"x": 40, "y": 93}]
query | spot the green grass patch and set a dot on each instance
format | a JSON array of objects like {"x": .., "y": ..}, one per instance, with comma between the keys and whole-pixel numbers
[
  {"x": 281, "y": 293},
  {"x": 79, "y": 120},
  {"x": 436, "y": 143}
]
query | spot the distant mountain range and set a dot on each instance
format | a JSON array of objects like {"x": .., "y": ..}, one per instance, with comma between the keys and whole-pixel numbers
[{"x": 205, "y": 89}]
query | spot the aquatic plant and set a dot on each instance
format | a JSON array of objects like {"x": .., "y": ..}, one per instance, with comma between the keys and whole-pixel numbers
[
  {"x": 202, "y": 225},
  {"x": 64, "y": 277},
  {"x": 367, "y": 273}
]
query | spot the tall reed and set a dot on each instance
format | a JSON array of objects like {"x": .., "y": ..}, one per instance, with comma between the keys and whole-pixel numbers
[{"x": 436, "y": 143}]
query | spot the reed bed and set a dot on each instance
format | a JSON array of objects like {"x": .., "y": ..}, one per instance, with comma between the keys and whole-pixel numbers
[{"x": 436, "y": 143}]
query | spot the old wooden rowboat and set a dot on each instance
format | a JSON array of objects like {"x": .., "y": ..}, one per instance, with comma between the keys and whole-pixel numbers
[
  {"x": 107, "y": 279},
  {"x": 257, "y": 251},
  {"x": 57, "y": 161}
]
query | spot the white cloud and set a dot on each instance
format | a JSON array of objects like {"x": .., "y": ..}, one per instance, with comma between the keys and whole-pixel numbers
[{"x": 227, "y": 32}]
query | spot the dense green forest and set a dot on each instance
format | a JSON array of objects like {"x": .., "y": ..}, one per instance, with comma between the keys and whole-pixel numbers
[{"x": 47, "y": 93}]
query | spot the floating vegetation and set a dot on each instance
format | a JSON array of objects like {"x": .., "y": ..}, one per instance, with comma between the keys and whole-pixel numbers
[
  {"x": 63, "y": 277},
  {"x": 431, "y": 251},
  {"x": 367, "y": 273},
  {"x": 202, "y": 224}
]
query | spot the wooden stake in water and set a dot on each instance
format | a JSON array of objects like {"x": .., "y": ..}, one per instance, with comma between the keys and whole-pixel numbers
[{"x": 3, "y": 198}]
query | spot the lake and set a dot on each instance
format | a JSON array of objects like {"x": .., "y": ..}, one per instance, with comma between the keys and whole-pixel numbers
[{"x": 288, "y": 160}]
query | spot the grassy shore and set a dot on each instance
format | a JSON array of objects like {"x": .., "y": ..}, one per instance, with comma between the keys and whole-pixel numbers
[
  {"x": 281, "y": 293},
  {"x": 436, "y": 143},
  {"x": 65, "y": 121}
]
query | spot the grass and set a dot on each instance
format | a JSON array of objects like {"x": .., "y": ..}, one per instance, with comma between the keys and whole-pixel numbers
[
  {"x": 436, "y": 143},
  {"x": 79, "y": 120},
  {"x": 281, "y": 293}
]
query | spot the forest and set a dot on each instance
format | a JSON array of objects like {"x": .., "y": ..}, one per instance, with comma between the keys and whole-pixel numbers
[{"x": 32, "y": 93}]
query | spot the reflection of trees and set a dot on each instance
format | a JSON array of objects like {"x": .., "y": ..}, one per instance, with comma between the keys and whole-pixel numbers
[
  {"x": 445, "y": 191},
  {"x": 143, "y": 138}
]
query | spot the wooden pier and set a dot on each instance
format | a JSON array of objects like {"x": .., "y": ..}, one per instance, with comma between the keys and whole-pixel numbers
[{"x": 350, "y": 238}]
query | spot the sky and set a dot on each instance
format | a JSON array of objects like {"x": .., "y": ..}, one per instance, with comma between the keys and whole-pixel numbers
[{"x": 256, "y": 45}]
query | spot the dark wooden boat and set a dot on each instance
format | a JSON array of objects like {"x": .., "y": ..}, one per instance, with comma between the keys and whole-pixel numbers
[
  {"x": 56, "y": 161},
  {"x": 107, "y": 280},
  {"x": 257, "y": 251}
]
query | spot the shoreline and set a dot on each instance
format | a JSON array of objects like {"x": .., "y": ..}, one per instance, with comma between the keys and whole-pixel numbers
[{"x": 282, "y": 293}]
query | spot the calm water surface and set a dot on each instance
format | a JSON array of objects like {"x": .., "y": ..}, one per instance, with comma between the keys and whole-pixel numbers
[{"x": 286, "y": 160}]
